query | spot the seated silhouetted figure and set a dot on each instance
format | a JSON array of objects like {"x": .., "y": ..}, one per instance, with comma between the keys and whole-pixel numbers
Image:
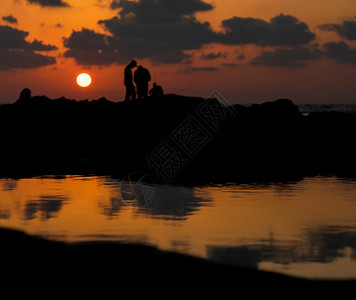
[
  {"x": 130, "y": 88},
  {"x": 156, "y": 91},
  {"x": 25, "y": 96},
  {"x": 142, "y": 77}
]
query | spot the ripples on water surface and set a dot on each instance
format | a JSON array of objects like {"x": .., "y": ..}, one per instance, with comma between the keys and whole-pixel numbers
[{"x": 305, "y": 228}]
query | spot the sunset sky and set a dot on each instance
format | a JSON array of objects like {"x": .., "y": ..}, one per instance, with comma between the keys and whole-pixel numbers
[{"x": 251, "y": 51}]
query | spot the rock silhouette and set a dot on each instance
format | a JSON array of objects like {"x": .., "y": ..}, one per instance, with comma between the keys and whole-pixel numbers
[
  {"x": 25, "y": 95},
  {"x": 99, "y": 270},
  {"x": 262, "y": 141}
]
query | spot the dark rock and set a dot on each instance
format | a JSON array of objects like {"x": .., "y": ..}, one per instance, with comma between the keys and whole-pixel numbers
[
  {"x": 25, "y": 96},
  {"x": 269, "y": 140},
  {"x": 34, "y": 268}
]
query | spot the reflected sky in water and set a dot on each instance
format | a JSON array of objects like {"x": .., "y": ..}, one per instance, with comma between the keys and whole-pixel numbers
[{"x": 305, "y": 228}]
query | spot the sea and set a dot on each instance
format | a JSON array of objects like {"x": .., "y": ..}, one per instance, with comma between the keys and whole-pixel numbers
[
  {"x": 308, "y": 108},
  {"x": 342, "y": 108}
]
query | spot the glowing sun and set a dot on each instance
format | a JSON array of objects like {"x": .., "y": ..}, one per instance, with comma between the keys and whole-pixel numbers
[{"x": 84, "y": 80}]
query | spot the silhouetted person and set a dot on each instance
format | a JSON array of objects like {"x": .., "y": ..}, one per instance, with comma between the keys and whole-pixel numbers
[
  {"x": 142, "y": 77},
  {"x": 130, "y": 88},
  {"x": 156, "y": 91}
]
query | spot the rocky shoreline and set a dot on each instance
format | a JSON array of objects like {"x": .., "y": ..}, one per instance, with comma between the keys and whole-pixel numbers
[
  {"x": 174, "y": 139},
  {"x": 34, "y": 268}
]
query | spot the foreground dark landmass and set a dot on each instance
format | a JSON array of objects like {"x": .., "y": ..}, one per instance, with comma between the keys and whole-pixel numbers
[
  {"x": 33, "y": 268},
  {"x": 41, "y": 136},
  {"x": 271, "y": 140}
]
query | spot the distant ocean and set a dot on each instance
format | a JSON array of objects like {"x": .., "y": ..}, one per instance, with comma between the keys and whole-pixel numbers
[
  {"x": 344, "y": 108},
  {"x": 309, "y": 108}
]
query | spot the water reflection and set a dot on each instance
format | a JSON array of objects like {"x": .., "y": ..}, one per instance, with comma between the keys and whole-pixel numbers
[
  {"x": 110, "y": 208},
  {"x": 48, "y": 206},
  {"x": 293, "y": 228},
  {"x": 322, "y": 245},
  {"x": 175, "y": 203},
  {"x": 327, "y": 243},
  {"x": 9, "y": 184},
  {"x": 169, "y": 202},
  {"x": 327, "y": 253},
  {"x": 5, "y": 214}
]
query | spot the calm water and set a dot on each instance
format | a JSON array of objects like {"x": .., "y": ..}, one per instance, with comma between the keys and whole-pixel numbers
[
  {"x": 343, "y": 108},
  {"x": 305, "y": 228}
]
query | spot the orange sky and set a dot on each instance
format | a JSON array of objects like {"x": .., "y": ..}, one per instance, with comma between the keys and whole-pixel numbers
[{"x": 324, "y": 77}]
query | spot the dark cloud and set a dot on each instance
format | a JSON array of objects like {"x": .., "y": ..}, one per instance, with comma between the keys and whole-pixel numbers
[
  {"x": 241, "y": 31},
  {"x": 91, "y": 48},
  {"x": 171, "y": 57},
  {"x": 49, "y": 3},
  {"x": 115, "y": 4},
  {"x": 160, "y": 30},
  {"x": 211, "y": 56},
  {"x": 200, "y": 69},
  {"x": 39, "y": 46},
  {"x": 23, "y": 59},
  {"x": 12, "y": 38},
  {"x": 282, "y": 30},
  {"x": 87, "y": 57},
  {"x": 16, "y": 52},
  {"x": 166, "y": 31},
  {"x": 157, "y": 11},
  {"x": 230, "y": 65},
  {"x": 340, "y": 52},
  {"x": 346, "y": 30},
  {"x": 86, "y": 39},
  {"x": 287, "y": 57},
  {"x": 143, "y": 40},
  {"x": 10, "y": 19},
  {"x": 240, "y": 56}
]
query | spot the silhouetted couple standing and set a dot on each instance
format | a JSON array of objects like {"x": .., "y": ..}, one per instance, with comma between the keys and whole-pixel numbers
[{"x": 141, "y": 78}]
